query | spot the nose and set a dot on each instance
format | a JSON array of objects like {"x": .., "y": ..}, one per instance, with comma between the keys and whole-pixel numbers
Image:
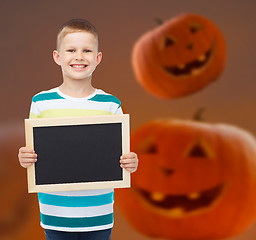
[
  {"x": 190, "y": 46},
  {"x": 79, "y": 55},
  {"x": 167, "y": 171}
]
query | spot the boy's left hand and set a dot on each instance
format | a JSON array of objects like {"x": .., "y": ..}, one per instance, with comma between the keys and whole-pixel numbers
[{"x": 129, "y": 161}]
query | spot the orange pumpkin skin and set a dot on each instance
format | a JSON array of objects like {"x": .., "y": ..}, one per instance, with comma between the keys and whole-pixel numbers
[
  {"x": 19, "y": 213},
  {"x": 179, "y": 57},
  {"x": 195, "y": 181}
]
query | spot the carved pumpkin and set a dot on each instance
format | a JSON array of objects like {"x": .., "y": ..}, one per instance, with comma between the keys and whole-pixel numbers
[
  {"x": 19, "y": 213},
  {"x": 195, "y": 181},
  {"x": 180, "y": 57}
]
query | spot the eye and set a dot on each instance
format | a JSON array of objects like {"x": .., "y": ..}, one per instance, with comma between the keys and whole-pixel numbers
[
  {"x": 87, "y": 51},
  {"x": 168, "y": 41},
  {"x": 70, "y": 50},
  {"x": 147, "y": 146},
  {"x": 195, "y": 27},
  {"x": 200, "y": 149},
  {"x": 197, "y": 151},
  {"x": 151, "y": 149}
]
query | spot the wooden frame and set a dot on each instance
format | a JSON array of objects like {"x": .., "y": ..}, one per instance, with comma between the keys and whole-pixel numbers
[{"x": 32, "y": 124}]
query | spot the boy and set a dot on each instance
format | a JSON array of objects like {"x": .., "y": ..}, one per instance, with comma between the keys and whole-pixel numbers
[{"x": 76, "y": 214}]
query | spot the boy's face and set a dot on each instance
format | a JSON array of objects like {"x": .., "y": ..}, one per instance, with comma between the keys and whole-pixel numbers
[{"x": 78, "y": 56}]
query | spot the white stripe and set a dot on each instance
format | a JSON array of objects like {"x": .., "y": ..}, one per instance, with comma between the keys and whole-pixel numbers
[
  {"x": 66, "y": 104},
  {"x": 76, "y": 211},
  {"x": 89, "y": 229},
  {"x": 34, "y": 109},
  {"x": 83, "y": 193},
  {"x": 119, "y": 111}
]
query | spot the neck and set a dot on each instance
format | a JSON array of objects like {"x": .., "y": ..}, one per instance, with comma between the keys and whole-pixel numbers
[{"x": 77, "y": 89}]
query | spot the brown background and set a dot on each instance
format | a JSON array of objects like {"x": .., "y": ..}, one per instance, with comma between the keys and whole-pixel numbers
[{"x": 28, "y": 32}]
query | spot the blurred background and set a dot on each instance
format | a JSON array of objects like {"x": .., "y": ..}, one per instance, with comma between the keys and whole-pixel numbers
[{"x": 28, "y": 37}]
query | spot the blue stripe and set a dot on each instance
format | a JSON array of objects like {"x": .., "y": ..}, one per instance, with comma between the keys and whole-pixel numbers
[
  {"x": 105, "y": 98},
  {"x": 46, "y": 96},
  {"x": 76, "y": 201},
  {"x": 77, "y": 222}
]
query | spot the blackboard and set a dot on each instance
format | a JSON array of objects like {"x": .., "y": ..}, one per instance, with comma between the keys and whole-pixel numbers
[{"x": 78, "y": 153}]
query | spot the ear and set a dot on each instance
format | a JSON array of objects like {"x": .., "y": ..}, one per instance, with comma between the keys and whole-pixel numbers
[
  {"x": 99, "y": 57},
  {"x": 56, "y": 57}
]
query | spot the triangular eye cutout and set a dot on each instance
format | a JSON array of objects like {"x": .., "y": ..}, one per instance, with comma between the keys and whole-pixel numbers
[
  {"x": 152, "y": 149},
  {"x": 197, "y": 151},
  {"x": 168, "y": 42},
  {"x": 194, "y": 27},
  {"x": 147, "y": 146}
]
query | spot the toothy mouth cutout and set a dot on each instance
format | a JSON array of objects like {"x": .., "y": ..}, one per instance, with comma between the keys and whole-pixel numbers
[
  {"x": 180, "y": 205},
  {"x": 190, "y": 68}
]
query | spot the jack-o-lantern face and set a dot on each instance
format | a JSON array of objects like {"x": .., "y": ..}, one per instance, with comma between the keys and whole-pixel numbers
[
  {"x": 194, "y": 181},
  {"x": 186, "y": 202},
  {"x": 19, "y": 214},
  {"x": 179, "y": 57}
]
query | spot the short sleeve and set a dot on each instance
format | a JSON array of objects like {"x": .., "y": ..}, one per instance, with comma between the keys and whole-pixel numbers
[
  {"x": 34, "y": 111},
  {"x": 119, "y": 110}
]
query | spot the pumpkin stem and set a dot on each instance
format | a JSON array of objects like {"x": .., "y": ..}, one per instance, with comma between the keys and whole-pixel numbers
[
  {"x": 159, "y": 21},
  {"x": 198, "y": 115}
]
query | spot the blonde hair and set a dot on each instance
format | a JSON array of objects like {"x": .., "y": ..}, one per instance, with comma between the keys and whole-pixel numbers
[{"x": 76, "y": 25}]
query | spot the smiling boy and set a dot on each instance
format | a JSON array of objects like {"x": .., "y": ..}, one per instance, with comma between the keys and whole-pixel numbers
[{"x": 78, "y": 214}]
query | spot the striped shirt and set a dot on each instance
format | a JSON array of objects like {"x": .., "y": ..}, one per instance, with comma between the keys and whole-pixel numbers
[{"x": 75, "y": 211}]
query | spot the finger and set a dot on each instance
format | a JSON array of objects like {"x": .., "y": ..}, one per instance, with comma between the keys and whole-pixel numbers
[
  {"x": 28, "y": 160},
  {"x": 129, "y": 155},
  {"x": 128, "y": 160},
  {"x": 128, "y": 165},
  {"x": 29, "y": 155},
  {"x": 26, "y": 150},
  {"x": 25, "y": 165}
]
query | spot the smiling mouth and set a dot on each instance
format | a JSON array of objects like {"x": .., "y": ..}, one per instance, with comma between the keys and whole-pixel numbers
[
  {"x": 190, "y": 68},
  {"x": 180, "y": 205},
  {"x": 78, "y": 66}
]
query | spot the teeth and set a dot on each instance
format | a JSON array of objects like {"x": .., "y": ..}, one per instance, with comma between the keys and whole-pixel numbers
[
  {"x": 157, "y": 196},
  {"x": 78, "y": 66},
  {"x": 201, "y": 58},
  {"x": 177, "y": 212},
  {"x": 194, "y": 195},
  {"x": 195, "y": 71}
]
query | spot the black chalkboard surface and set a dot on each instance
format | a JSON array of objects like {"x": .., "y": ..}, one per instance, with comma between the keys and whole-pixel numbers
[{"x": 78, "y": 153}]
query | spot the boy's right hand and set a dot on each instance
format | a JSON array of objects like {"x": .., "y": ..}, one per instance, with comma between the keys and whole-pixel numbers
[{"x": 27, "y": 157}]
